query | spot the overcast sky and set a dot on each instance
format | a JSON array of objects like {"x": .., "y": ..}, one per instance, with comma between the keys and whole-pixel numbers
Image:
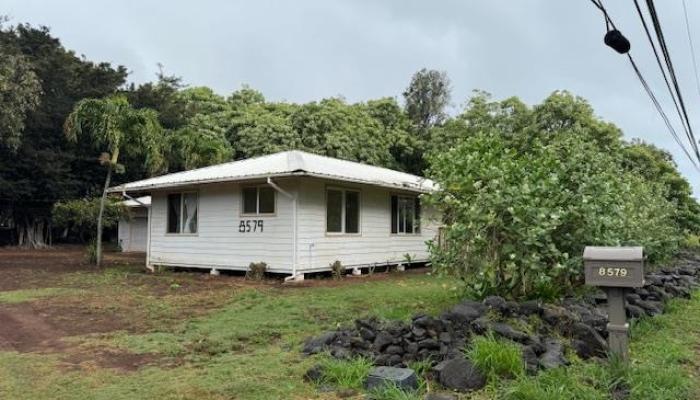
[{"x": 306, "y": 50}]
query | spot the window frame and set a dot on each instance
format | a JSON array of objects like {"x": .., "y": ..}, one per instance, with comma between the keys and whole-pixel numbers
[
  {"x": 417, "y": 219},
  {"x": 343, "y": 209},
  {"x": 257, "y": 201},
  {"x": 181, "y": 215}
]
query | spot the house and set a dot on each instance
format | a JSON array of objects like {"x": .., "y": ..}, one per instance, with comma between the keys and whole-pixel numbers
[
  {"x": 132, "y": 231},
  {"x": 297, "y": 212}
]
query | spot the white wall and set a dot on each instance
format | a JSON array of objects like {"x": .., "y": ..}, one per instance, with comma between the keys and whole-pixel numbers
[
  {"x": 374, "y": 243},
  {"x": 132, "y": 231},
  {"x": 218, "y": 242}
]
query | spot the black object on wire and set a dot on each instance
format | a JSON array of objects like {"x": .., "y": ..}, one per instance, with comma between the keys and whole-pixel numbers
[{"x": 619, "y": 45}]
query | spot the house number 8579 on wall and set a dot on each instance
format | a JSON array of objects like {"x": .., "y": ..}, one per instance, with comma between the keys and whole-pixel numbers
[
  {"x": 621, "y": 272},
  {"x": 250, "y": 225}
]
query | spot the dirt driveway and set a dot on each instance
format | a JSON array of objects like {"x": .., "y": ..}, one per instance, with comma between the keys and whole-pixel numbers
[{"x": 53, "y": 302}]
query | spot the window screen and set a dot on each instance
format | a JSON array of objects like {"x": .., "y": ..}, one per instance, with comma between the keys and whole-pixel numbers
[
  {"x": 182, "y": 213},
  {"x": 334, "y": 211},
  {"x": 174, "y": 210},
  {"x": 250, "y": 200},
  {"x": 189, "y": 213},
  {"x": 266, "y": 200},
  {"x": 352, "y": 212},
  {"x": 405, "y": 214}
]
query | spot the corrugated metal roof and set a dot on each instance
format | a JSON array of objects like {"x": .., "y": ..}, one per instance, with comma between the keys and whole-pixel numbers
[{"x": 287, "y": 163}]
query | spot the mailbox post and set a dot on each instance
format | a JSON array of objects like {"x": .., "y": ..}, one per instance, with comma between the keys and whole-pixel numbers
[{"x": 615, "y": 269}]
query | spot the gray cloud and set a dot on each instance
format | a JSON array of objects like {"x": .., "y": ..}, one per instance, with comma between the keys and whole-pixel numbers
[{"x": 306, "y": 50}]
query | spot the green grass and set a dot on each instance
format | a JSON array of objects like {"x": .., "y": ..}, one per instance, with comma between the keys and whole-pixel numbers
[
  {"x": 665, "y": 360},
  {"x": 25, "y": 295},
  {"x": 245, "y": 345},
  {"x": 346, "y": 374},
  {"x": 496, "y": 358}
]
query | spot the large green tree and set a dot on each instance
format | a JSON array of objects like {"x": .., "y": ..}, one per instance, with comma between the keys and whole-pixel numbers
[
  {"x": 19, "y": 95},
  {"x": 44, "y": 167},
  {"x": 426, "y": 98},
  {"x": 112, "y": 126}
]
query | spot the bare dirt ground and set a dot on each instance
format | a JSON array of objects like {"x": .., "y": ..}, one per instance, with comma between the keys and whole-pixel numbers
[{"x": 99, "y": 303}]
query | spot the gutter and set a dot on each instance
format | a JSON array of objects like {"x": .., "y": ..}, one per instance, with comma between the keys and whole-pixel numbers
[{"x": 295, "y": 200}]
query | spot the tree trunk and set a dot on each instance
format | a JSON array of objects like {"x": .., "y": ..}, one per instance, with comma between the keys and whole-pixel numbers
[
  {"x": 33, "y": 232},
  {"x": 98, "y": 239}
]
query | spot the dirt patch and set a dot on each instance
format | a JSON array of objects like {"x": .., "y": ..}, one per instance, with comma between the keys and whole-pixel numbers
[
  {"x": 25, "y": 269},
  {"x": 90, "y": 360},
  {"x": 39, "y": 327}
]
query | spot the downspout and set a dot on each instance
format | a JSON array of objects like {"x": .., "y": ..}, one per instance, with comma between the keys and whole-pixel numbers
[{"x": 294, "y": 199}]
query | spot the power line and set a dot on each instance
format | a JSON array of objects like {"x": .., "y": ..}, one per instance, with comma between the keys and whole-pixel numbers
[
  {"x": 661, "y": 68},
  {"x": 672, "y": 72},
  {"x": 609, "y": 23},
  {"x": 692, "y": 48},
  {"x": 658, "y": 107}
]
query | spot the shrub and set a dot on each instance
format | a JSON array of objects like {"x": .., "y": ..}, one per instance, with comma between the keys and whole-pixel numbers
[
  {"x": 256, "y": 271},
  {"x": 517, "y": 215},
  {"x": 337, "y": 269},
  {"x": 496, "y": 358},
  {"x": 691, "y": 242}
]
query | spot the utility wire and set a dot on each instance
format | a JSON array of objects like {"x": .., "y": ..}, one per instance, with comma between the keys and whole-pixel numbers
[
  {"x": 608, "y": 21},
  {"x": 658, "y": 107},
  {"x": 663, "y": 71},
  {"x": 692, "y": 48},
  {"x": 672, "y": 72}
]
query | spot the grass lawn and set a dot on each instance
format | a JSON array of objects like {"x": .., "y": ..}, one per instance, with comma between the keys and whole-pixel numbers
[{"x": 123, "y": 334}]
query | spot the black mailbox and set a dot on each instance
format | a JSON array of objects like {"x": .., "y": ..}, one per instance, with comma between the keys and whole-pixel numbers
[{"x": 614, "y": 266}]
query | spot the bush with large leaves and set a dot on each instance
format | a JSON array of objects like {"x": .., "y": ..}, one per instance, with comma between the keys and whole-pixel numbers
[{"x": 516, "y": 220}]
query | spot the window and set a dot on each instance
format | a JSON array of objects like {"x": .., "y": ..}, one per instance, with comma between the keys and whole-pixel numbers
[
  {"x": 182, "y": 212},
  {"x": 342, "y": 211},
  {"x": 405, "y": 214},
  {"x": 258, "y": 200}
]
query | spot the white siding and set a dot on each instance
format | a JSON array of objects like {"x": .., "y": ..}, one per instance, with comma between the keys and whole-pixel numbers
[
  {"x": 132, "y": 231},
  {"x": 218, "y": 242},
  {"x": 374, "y": 244}
]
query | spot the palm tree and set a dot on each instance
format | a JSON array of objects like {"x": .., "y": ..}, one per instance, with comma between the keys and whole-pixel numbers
[{"x": 113, "y": 126}]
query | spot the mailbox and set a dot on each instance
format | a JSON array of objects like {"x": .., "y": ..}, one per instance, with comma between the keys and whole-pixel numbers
[
  {"x": 615, "y": 269},
  {"x": 614, "y": 266}
]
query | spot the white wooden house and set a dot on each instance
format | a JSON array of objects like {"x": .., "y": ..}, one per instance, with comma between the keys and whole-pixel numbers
[
  {"x": 132, "y": 231},
  {"x": 297, "y": 212}
]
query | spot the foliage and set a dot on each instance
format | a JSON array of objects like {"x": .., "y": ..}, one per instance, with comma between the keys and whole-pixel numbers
[
  {"x": 657, "y": 165},
  {"x": 519, "y": 204},
  {"x": 44, "y": 167},
  {"x": 691, "y": 242},
  {"x": 496, "y": 358},
  {"x": 426, "y": 98},
  {"x": 256, "y": 271},
  {"x": 79, "y": 216},
  {"x": 394, "y": 392},
  {"x": 337, "y": 269},
  {"x": 112, "y": 125},
  {"x": 19, "y": 95}
]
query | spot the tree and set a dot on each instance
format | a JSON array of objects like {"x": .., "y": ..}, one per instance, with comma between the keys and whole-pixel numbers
[
  {"x": 45, "y": 167},
  {"x": 78, "y": 217},
  {"x": 426, "y": 97},
  {"x": 19, "y": 95},
  {"x": 111, "y": 124}
]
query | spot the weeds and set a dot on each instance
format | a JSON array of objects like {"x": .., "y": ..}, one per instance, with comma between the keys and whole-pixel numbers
[
  {"x": 496, "y": 358},
  {"x": 256, "y": 271},
  {"x": 346, "y": 374}
]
